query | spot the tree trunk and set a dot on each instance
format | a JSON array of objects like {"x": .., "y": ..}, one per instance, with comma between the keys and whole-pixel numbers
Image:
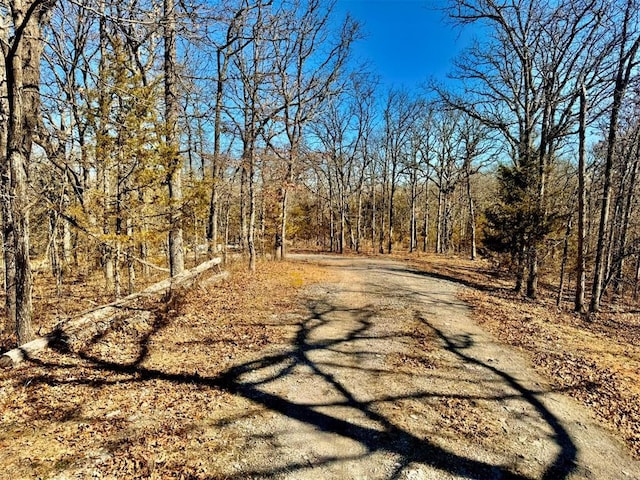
[
  {"x": 373, "y": 214},
  {"x": 117, "y": 285},
  {"x": 67, "y": 244},
  {"x": 342, "y": 222},
  {"x": 565, "y": 257},
  {"x": 447, "y": 229},
  {"x": 532, "y": 277},
  {"x": 262, "y": 223},
  {"x": 7, "y": 248},
  {"x": 23, "y": 78},
  {"x": 472, "y": 212},
  {"x": 19, "y": 204},
  {"x": 102, "y": 170},
  {"x": 579, "y": 305},
  {"x": 144, "y": 246},
  {"x": 383, "y": 204},
  {"x": 391, "y": 210},
  {"x": 282, "y": 233},
  {"x": 521, "y": 268},
  {"x": 628, "y": 195},
  {"x": 332, "y": 228},
  {"x": 281, "y": 241},
  {"x": 636, "y": 288},
  {"x": 8, "y": 254},
  {"x": 425, "y": 227},
  {"x": 252, "y": 214},
  {"x": 227, "y": 215},
  {"x": 360, "y": 194},
  {"x": 5, "y": 186},
  {"x": 391, "y": 206},
  {"x": 320, "y": 236},
  {"x": 212, "y": 225},
  {"x": 244, "y": 229},
  {"x": 131, "y": 271},
  {"x": 626, "y": 62},
  {"x": 439, "y": 219},
  {"x": 176, "y": 249},
  {"x": 413, "y": 230},
  {"x": 54, "y": 253}
]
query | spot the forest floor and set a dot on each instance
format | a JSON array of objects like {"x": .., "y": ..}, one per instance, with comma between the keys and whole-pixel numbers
[{"x": 332, "y": 368}]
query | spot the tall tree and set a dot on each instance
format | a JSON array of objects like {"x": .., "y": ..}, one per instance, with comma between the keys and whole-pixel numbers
[
  {"x": 254, "y": 107},
  {"x": 231, "y": 45},
  {"x": 21, "y": 59},
  {"x": 400, "y": 112},
  {"x": 5, "y": 186},
  {"x": 306, "y": 77},
  {"x": 523, "y": 81},
  {"x": 628, "y": 43},
  {"x": 579, "y": 305},
  {"x": 174, "y": 161}
]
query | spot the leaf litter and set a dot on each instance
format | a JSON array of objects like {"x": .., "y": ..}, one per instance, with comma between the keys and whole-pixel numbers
[{"x": 136, "y": 402}]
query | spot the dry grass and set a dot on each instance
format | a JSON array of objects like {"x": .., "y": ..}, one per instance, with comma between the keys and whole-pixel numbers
[
  {"x": 596, "y": 361},
  {"x": 145, "y": 400}
]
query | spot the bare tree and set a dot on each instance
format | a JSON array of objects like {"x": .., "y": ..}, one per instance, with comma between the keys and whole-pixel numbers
[
  {"x": 231, "y": 45},
  {"x": 582, "y": 203},
  {"x": 255, "y": 106},
  {"x": 5, "y": 186},
  {"x": 523, "y": 81},
  {"x": 21, "y": 59},
  {"x": 400, "y": 112},
  {"x": 306, "y": 77},
  {"x": 174, "y": 161},
  {"x": 626, "y": 63},
  {"x": 474, "y": 136}
]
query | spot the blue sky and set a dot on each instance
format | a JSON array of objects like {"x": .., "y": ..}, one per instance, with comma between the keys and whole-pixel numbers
[{"x": 407, "y": 41}]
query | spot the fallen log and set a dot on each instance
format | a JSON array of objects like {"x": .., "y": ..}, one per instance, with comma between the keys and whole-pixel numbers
[{"x": 70, "y": 334}]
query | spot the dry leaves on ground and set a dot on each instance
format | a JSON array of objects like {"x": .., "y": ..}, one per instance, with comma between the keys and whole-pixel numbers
[{"x": 141, "y": 401}]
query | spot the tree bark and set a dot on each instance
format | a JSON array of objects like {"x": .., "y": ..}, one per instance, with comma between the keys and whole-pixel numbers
[
  {"x": 565, "y": 258},
  {"x": 373, "y": 210},
  {"x": 252, "y": 214},
  {"x": 627, "y": 196},
  {"x": 391, "y": 209},
  {"x": 5, "y": 185},
  {"x": 22, "y": 64},
  {"x": 439, "y": 219},
  {"x": 212, "y": 224},
  {"x": 626, "y": 62},
  {"x": 579, "y": 305},
  {"x": 281, "y": 249},
  {"x": 176, "y": 248},
  {"x": 413, "y": 221},
  {"x": 425, "y": 226},
  {"x": 54, "y": 252},
  {"x": 472, "y": 214}
]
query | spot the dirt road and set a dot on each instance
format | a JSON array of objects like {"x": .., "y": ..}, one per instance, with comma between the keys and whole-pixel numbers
[{"x": 385, "y": 376}]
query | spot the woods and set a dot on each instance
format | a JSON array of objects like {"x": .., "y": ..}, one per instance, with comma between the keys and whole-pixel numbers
[{"x": 141, "y": 136}]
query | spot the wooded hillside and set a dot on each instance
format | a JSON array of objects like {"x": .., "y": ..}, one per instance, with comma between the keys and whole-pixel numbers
[{"x": 143, "y": 135}]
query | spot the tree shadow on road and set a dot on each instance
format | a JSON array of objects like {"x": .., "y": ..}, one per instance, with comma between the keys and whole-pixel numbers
[{"x": 251, "y": 380}]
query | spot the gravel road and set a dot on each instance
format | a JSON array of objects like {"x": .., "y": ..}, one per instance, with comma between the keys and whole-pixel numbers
[{"x": 385, "y": 376}]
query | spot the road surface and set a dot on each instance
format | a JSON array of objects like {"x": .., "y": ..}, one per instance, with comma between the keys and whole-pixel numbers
[{"x": 386, "y": 376}]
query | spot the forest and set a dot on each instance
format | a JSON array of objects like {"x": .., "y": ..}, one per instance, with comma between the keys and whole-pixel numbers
[{"x": 140, "y": 136}]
